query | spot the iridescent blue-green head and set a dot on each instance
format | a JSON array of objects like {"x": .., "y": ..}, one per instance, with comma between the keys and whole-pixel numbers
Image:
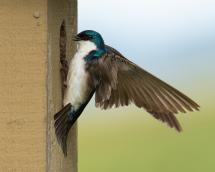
[
  {"x": 93, "y": 36},
  {"x": 92, "y": 42}
]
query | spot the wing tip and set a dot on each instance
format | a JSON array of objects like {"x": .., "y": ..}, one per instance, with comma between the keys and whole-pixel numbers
[{"x": 169, "y": 119}]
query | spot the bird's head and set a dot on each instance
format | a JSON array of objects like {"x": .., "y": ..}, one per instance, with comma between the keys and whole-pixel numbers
[{"x": 90, "y": 37}]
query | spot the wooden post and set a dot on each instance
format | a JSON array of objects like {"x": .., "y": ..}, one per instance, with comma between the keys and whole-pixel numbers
[{"x": 30, "y": 90}]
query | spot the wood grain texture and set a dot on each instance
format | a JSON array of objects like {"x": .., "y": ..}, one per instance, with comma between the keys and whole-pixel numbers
[
  {"x": 59, "y": 11},
  {"x": 23, "y": 56},
  {"x": 30, "y": 90}
]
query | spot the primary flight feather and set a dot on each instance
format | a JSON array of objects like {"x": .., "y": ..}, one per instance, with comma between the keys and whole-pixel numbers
[{"x": 116, "y": 81}]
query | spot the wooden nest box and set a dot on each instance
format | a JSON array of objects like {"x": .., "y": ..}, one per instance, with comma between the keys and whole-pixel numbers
[{"x": 34, "y": 36}]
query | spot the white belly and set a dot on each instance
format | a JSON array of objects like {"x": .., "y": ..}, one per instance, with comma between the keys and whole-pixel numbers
[
  {"x": 76, "y": 82},
  {"x": 76, "y": 92}
]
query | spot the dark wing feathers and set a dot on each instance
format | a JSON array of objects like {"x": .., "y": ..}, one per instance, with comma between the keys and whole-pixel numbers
[{"x": 122, "y": 82}]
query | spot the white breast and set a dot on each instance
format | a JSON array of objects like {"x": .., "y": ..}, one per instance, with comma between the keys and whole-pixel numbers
[{"x": 77, "y": 76}]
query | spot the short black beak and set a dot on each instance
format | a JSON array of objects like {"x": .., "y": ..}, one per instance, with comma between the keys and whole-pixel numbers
[{"x": 76, "y": 38}]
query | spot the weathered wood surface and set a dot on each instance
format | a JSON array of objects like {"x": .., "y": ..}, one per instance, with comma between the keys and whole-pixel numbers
[
  {"x": 56, "y": 161},
  {"x": 30, "y": 90}
]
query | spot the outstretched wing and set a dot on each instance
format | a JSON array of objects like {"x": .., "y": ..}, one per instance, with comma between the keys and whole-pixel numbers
[{"x": 121, "y": 82}]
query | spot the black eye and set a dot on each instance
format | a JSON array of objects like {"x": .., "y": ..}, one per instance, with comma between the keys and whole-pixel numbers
[
  {"x": 86, "y": 37},
  {"x": 90, "y": 37}
]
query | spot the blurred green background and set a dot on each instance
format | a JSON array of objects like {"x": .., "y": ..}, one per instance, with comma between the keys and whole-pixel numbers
[{"x": 175, "y": 40}]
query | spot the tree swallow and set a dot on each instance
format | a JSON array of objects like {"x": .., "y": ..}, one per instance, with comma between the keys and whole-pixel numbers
[{"x": 116, "y": 81}]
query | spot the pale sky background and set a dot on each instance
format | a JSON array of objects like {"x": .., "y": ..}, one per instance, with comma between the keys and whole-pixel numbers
[
  {"x": 173, "y": 39},
  {"x": 156, "y": 33}
]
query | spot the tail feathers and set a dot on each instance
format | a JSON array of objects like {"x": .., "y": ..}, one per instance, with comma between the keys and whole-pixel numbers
[{"x": 63, "y": 123}]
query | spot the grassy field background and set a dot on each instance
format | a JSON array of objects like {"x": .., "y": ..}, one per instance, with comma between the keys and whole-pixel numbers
[{"x": 127, "y": 139}]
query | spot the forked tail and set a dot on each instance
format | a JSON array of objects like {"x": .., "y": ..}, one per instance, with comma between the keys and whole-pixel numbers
[
  {"x": 64, "y": 120},
  {"x": 63, "y": 123}
]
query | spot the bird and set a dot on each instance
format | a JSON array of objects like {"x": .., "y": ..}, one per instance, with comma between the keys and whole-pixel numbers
[{"x": 99, "y": 69}]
